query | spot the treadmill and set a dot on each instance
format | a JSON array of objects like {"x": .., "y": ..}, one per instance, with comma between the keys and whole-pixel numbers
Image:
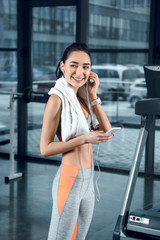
[{"x": 142, "y": 224}]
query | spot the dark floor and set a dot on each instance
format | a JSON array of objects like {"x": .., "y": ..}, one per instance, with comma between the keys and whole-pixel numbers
[{"x": 25, "y": 204}]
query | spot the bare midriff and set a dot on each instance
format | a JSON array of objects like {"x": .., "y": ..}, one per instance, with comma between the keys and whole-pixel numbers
[{"x": 80, "y": 156}]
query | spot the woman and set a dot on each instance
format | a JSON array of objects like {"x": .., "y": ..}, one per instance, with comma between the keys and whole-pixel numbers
[{"x": 70, "y": 111}]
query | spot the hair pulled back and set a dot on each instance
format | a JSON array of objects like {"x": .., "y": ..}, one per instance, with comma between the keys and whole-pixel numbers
[{"x": 71, "y": 48}]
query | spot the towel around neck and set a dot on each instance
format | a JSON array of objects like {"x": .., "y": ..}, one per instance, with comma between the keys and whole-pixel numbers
[{"x": 73, "y": 121}]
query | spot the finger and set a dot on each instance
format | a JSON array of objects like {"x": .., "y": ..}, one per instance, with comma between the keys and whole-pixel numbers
[
  {"x": 94, "y": 76},
  {"x": 100, "y": 132},
  {"x": 105, "y": 138},
  {"x": 104, "y": 134},
  {"x": 94, "y": 82},
  {"x": 109, "y": 134},
  {"x": 101, "y": 141}
]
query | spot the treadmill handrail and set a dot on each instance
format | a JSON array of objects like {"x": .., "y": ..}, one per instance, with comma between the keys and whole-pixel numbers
[{"x": 134, "y": 171}]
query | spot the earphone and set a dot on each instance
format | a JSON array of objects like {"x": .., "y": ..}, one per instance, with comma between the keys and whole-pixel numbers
[{"x": 63, "y": 70}]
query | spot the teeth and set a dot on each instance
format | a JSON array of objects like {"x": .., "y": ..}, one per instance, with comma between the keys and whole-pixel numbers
[{"x": 79, "y": 79}]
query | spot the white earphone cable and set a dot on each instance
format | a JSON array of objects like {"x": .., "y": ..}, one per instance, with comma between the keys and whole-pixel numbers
[{"x": 99, "y": 173}]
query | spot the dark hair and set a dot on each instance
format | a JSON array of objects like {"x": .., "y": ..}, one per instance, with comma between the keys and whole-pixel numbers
[{"x": 71, "y": 48}]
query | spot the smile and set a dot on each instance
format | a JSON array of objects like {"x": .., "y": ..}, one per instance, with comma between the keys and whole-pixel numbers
[{"x": 78, "y": 79}]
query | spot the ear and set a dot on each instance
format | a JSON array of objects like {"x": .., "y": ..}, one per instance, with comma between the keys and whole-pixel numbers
[{"x": 62, "y": 66}]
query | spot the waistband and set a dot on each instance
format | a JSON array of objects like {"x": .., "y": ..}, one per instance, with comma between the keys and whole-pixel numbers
[{"x": 74, "y": 171}]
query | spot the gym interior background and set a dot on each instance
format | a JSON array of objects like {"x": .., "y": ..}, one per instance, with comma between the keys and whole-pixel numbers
[{"x": 122, "y": 36}]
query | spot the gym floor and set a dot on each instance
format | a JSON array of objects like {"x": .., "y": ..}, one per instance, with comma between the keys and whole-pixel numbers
[{"x": 25, "y": 204}]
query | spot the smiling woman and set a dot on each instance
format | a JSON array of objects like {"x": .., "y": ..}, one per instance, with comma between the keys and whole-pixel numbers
[
  {"x": 77, "y": 69},
  {"x": 72, "y": 112}
]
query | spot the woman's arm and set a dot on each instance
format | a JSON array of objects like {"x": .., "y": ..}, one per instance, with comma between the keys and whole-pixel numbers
[
  {"x": 104, "y": 123},
  {"x": 50, "y": 123}
]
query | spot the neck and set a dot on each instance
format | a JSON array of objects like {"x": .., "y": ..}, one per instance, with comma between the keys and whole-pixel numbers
[{"x": 75, "y": 89}]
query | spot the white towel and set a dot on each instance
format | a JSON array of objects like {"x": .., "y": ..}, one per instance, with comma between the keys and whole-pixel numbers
[{"x": 73, "y": 121}]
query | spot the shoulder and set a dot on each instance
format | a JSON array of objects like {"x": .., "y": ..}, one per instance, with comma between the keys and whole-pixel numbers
[
  {"x": 54, "y": 104},
  {"x": 55, "y": 99}
]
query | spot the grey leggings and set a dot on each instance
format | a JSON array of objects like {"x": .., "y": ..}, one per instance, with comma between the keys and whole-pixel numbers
[{"x": 73, "y": 203}]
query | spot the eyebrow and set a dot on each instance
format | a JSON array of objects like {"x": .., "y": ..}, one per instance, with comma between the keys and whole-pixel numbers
[{"x": 78, "y": 63}]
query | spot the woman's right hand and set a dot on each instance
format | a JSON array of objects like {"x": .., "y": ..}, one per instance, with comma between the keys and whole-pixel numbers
[{"x": 97, "y": 137}]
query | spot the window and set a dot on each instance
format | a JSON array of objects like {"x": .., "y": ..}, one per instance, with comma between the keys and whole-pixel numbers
[
  {"x": 124, "y": 31},
  {"x": 119, "y": 28},
  {"x": 8, "y": 27}
]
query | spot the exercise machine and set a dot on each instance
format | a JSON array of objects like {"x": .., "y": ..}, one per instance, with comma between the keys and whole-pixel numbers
[
  {"x": 27, "y": 96},
  {"x": 142, "y": 224},
  {"x": 12, "y": 175}
]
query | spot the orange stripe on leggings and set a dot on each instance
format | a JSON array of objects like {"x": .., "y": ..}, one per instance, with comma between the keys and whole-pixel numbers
[
  {"x": 67, "y": 178},
  {"x": 74, "y": 233}
]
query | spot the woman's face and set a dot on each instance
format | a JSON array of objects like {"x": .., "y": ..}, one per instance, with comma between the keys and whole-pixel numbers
[{"x": 77, "y": 69}]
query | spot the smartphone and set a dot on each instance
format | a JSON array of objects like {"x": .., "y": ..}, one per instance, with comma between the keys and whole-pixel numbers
[{"x": 113, "y": 130}]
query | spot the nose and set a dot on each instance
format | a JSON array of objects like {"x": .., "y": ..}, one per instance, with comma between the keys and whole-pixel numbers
[{"x": 79, "y": 71}]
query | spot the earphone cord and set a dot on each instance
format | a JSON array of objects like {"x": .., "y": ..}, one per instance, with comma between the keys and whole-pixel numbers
[
  {"x": 99, "y": 173},
  {"x": 96, "y": 182}
]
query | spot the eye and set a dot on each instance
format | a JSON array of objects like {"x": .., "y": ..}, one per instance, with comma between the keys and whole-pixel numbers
[
  {"x": 86, "y": 67},
  {"x": 73, "y": 65}
]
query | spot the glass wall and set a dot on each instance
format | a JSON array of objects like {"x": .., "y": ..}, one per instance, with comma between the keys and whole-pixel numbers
[
  {"x": 53, "y": 29},
  {"x": 8, "y": 23},
  {"x": 111, "y": 26},
  {"x": 121, "y": 82},
  {"x": 8, "y": 70},
  {"x": 119, "y": 24},
  {"x": 121, "y": 28},
  {"x": 8, "y": 66},
  {"x": 8, "y": 44}
]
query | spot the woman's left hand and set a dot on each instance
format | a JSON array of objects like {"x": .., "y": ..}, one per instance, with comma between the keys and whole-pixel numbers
[{"x": 93, "y": 85}]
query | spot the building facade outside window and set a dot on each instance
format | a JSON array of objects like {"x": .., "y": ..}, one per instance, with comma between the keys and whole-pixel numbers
[{"x": 113, "y": 25}]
